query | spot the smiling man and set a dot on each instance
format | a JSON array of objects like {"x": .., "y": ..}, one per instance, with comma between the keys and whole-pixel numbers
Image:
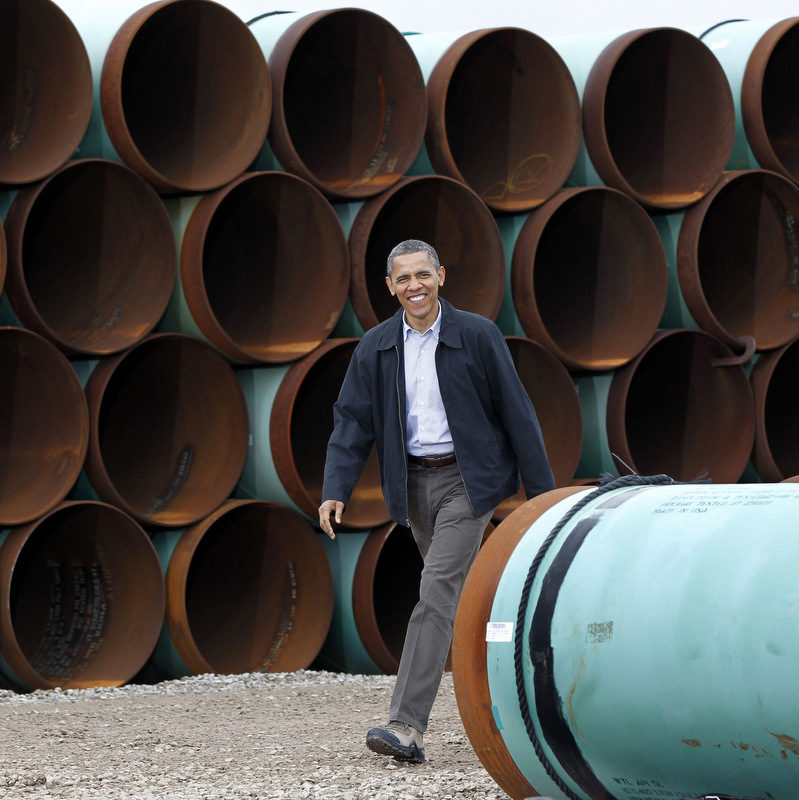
[{"x": 436, "y": 389}]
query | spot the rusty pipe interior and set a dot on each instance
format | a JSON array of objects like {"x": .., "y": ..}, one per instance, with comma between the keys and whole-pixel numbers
[
  {"x": 350, "y": 107},
  {"x": 503, "y": 117},
  {"x": 169, "y": 430},
  {"x": 435, "y": 209},
  {"x": 46, "y": 92},
  {"x": 91, "y": 257},
  {"x": 257, "y": 255},
  {"x": 186, "y": 94},
  {"x": 659, "y": 117},
  {"x": 249, "y": 588},
  {"x": 671, "y": 411},
  {"x": 83, "y": 598},
  {"x": 44, "y": 426},
  {"x": 589, "y": 277}
]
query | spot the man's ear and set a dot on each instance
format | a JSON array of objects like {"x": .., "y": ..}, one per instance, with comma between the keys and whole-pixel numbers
[
  {"x": 441, "y": 275},
  {"x": 390, "y": 285}
]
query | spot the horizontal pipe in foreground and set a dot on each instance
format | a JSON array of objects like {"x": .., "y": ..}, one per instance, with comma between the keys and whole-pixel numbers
[
  {"x": 168, "y": 429},
  {"x": 91, "y": 257},
  {"x": 264, "y": 268},
  {"x": 248, "y": 589},
  {"x": 82, "y": 599},
  {"x": 589, "y": 277},
  {"x": 47, "y": 90},
  {"x": 186, "y": 94},
  {"x": 448, "y": 215},
  {"x": 44, "y": 426},
  {"x": 349, "y": 99}
]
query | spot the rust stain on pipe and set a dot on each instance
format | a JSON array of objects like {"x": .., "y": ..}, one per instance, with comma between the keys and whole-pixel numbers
[
  {"x": 589, "y": 277},
  {"x": 44, "y": 426},
  {"x": 249, "y": 588},
  {"x": 738, "y": 259},
  {"x": 82, "y": 598},
  {"x": 659, "y": 117},
  {"x": 258, "y": 255},
  {"x": 450, "y": 216},
  {"x": 186, "y": 94},
  {"x": 169, "y": 430},
  {"x": 671, "y": 411},
  {"x": 91, "y": 257},
  {"x": 503, "y": 117},
  {"x": 349, "y": 102},
  {"x": 46, "y": 86}
]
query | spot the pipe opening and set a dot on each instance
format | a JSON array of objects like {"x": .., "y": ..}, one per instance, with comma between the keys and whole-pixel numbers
[
  {"x": 453, "y": 219},
  {"x": 169, "y": 430},
  {"x": 670, "y": 411},
  {"x": 353, "y": 106},
  {"x": 44, "y": 426},
  {"x": 46, "y": 92},
  {"x": 256, "y": 256},
  {"x": 258, "y": 591},
  {"x": 589, "y": 277},
  {"x": 659, "y": 117},
  {"x": 85, "y": 601},
  {"x": 186, "y": 94},
  {"x": 511, "y": 127},
  {"x": 92, "y": 257}
]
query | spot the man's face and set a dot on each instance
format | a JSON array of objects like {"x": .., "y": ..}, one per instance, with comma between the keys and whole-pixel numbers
[{"x": 415, "y": 281}]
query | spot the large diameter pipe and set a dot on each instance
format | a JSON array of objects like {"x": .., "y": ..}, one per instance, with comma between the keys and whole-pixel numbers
[
  {"x": 760, "y": 60},
  {"x": 683, "y": 407},
  {"x": 185, "y": 93},
  {"x": 589, "y": 278},
  {"x": 91, "y": 257},
  {"x": 248, "y": 589},
  {"x": 775, "y": 383},
  {"x": 736, "y": 254},
  {"x": 82, "y": 599},
  {"x": 349, "y": 99},
  {"x": 291, "y": 418},
  {"x": 46, "y": 89},
  {"x": 44, "y": 426},
  {"x": 169, "y": 430},
  {"x": 591, "y": 659},
  {"x": 658, "y": 114},
  {"x": 503, "y": 114},
  {"x": 256, "y": 256},
  {"x": 450, "y": 216}
]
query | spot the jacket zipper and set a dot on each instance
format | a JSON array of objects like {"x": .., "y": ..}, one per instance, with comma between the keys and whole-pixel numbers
[{"x": 402, "y": 433}]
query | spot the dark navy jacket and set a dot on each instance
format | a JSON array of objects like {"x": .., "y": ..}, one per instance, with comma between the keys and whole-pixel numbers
[{"x": 493, "y": 424}]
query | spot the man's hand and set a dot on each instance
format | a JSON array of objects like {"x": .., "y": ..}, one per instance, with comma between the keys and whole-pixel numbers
[{"x": 325, "y": 510}]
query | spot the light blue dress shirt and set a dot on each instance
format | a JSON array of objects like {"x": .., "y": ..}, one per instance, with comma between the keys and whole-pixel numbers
[{"x": 427, "y": 429}]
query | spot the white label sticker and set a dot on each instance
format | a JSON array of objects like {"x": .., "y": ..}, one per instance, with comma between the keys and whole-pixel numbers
[{"x": 499, "y": 631}]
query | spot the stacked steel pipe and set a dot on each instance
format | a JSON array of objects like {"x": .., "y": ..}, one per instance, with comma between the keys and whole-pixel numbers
[{"x": 204, "y": 238}]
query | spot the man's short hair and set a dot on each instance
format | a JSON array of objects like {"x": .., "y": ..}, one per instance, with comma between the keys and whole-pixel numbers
[{"x": 412, "y": 246}]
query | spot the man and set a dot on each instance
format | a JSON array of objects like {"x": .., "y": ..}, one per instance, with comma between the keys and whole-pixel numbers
[{"x": 436, "y": 389}]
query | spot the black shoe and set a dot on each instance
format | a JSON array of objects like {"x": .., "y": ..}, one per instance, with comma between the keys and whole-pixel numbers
[{"x": 397, "y": 739}]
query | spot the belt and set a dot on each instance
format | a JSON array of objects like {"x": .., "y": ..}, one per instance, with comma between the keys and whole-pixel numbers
[{"x": 431, "y": 462}]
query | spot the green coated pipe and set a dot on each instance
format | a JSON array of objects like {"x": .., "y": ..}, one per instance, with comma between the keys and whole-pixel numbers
[{"x": 657, "y": 658}]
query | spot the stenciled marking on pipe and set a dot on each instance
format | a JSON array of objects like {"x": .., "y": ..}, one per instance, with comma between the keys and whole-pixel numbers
[
  {"x": 529, "y": 173},
  {"x": 98, "y": 325},
  {"x": 287, "y": 618},
  {"x": 179, "y": 478},
  {"x": 27, "y": 83},
  {"x": 384, "y": 144}
]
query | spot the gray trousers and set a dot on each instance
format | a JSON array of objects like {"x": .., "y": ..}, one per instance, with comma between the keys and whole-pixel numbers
[{"x": 448, "y": 536}]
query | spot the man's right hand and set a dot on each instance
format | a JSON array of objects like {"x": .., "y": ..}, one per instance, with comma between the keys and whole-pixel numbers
[{"x": 328, "y": 507}]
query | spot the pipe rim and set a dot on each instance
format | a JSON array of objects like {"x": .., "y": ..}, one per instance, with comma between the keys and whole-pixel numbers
[
  {"x": 326, "y": 294},
  {"x": 476, "y": 241},
  {"x": 702, "y": 156},
  {"x": 536, "y": 176},
  {"x": 219, "y": 469},
  {"x": 223, "y": 152},
  {"x": 388, "y": 155},
  {"x": 634, "y": 314},
  {"x": 132, "y": 284}
]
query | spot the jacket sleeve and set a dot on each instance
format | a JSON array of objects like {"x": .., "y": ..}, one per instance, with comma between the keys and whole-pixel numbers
[
  {"x": 519, "y": 418},
  {"x": 353, "y": 434}
]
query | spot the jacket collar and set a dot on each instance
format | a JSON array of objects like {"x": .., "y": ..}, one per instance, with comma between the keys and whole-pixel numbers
[{"x": 391, "y": 335}]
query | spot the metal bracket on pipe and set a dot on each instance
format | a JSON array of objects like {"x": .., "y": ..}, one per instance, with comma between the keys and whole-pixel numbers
[{"x": 750, "y": 346}]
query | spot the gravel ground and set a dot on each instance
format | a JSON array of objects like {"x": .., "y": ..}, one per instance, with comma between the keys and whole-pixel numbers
[{"x": 221, "y": 737}]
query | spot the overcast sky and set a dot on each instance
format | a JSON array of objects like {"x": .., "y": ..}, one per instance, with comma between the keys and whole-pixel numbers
[{"x": 543, "y": 17}]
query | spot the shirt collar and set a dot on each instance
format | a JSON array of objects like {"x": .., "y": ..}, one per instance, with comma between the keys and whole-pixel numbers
[{"x": 435, "y": 327}]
